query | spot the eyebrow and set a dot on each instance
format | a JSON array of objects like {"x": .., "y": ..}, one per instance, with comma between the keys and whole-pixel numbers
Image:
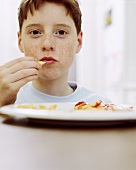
[
  {"x": 63, "y": 25},
  {"x": 58, "y": 25},
  {"x": 32, "y": 25}
]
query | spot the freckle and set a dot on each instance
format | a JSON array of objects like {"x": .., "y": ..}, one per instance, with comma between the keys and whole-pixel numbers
[{"x": 33, "y": 52}]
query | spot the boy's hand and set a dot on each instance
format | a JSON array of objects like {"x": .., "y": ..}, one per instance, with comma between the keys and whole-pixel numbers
[{"x": 13, "y": 75}]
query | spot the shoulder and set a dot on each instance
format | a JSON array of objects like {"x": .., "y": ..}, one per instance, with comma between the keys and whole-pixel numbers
[{"x": 87, "y": 95}]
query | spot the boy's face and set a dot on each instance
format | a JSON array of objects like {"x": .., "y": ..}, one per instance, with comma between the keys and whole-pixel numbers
[{"x": 50, "y": 34}]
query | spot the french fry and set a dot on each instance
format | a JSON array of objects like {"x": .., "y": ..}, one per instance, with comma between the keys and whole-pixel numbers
[
  {"x": 41, "y": 62},
  {"x": 41, "y": 107},
  {"x": 99, "y": 106}
]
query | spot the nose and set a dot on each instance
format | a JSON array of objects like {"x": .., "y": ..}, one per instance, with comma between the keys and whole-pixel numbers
[{"x": 48, "y": 43}]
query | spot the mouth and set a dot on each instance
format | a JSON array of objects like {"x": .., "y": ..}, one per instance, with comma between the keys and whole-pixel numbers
[{"x": 47, "y": 60}]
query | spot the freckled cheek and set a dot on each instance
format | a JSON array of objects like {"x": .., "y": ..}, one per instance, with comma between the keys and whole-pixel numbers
[
  {"x": 31, "y": 50},
  {"x": 67, "y": 54}
]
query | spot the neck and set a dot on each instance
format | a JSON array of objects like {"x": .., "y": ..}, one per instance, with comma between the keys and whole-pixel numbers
[{"x": 53, "y": 87}]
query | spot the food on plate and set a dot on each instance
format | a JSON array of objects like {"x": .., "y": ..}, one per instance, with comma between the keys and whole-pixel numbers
[
  {"x": 40, "y": 106},
  {"x": 41, "y": 62},
  {"x": 98, "y": 105}
]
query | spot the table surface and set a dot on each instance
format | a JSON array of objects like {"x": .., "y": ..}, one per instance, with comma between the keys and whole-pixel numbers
[{"x": 25, "y": 146}]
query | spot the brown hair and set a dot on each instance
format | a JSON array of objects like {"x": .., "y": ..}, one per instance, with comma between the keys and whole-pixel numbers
[{"x": 30, "y": 5}]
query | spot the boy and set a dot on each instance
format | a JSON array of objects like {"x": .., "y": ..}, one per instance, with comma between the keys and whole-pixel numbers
[{"x": 50, "y": 31}]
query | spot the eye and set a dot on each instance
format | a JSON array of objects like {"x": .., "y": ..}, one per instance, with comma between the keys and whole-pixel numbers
[
  {"x": 35, "y": 33},
  {"x": 61, "y": 33}
]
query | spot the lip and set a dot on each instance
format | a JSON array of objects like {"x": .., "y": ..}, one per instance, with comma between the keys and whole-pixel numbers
[{"x": 49, "y": 60}]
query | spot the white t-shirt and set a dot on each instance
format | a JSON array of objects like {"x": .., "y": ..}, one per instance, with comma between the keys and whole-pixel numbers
[{"x": 28, "y": 94}]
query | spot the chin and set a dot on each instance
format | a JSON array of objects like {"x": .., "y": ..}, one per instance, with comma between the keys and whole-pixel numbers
[{"x": 45, "y": 77}]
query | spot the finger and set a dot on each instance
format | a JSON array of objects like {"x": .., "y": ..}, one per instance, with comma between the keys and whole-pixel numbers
[
  {"x": 13, "y": 88},
  {"x": 18, "y": 60},
  {"x": 22, "y": 74},
  {"x": 18, "y": 84},
  {"x": 24, "y": 65}
]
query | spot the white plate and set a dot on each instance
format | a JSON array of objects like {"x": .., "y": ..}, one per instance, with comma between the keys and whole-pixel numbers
[{"x": 66, "y": 112}]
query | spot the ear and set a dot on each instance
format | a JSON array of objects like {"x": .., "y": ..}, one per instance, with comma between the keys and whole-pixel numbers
[
  {"x": 20, "y": 42},
  {"x": 79, "y": 41}
]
